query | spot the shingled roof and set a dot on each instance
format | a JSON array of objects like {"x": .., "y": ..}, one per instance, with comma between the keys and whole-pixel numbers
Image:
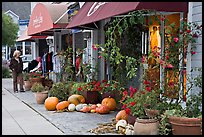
[{"x": 22, "y": 9}]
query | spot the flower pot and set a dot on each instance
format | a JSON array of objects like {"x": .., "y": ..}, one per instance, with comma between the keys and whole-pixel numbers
[
  {"x": 131, "y": 119},
  {"x": 27, "y": 85},
  {"x": 91, "y": 97},
  {"x": 185, "y": 126},
  {"x": 146, "y": 127},
  {"x": 41, "y": 96}
]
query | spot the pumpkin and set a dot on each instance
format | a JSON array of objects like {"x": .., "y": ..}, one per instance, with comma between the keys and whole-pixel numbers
[
  {"x": 71, "y": 107},
  {"x": 121, "y": 115},
  {"x": 79, "y": 107},
  {"x": 110, "y": 102},
  {"x": 62, "y": 105},
  {"x": 76, "y": 99},
  {"x": 51, "y": 103},
  {"x": 103, "y": 109},
  {"x": 86, "y": 109}
]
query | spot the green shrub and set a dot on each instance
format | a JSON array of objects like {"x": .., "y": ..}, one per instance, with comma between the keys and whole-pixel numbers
[
  {"x": 59, "y": 90},
  {"x": 37, "y": 87},
  {"x": 6, "y": 73}
]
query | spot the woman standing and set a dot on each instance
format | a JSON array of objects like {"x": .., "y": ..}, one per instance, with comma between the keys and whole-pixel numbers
[{"x": 16, "y": 65}]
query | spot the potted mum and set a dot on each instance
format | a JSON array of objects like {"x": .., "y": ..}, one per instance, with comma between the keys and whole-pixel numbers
[
  {"x": 27, "y": 83},
  {"x": 40, "y": 92}
]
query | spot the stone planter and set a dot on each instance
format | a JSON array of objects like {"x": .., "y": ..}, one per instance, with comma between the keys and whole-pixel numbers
[
  {"x": 27, "y": 85},
  {"x": 185, "y": 126},
  {"x": 91, "y": 97},
  {"x": 41, "y": 97},
  {"x": 146, "y": 127}
]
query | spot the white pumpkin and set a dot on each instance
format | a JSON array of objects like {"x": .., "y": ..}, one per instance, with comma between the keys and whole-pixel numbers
[
  {"x": 98, "y": 105},
  {"x": 79, "y": 107},
  {"x": 121, "y": 123},
  {"x": 71, "y": 107},
  {"x": 129, "y": 129}
]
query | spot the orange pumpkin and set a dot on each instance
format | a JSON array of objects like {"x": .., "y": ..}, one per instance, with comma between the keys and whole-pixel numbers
[
  {"x": 51, "y": 103},
  {"x": 110, "y": 102},
  {"x": 121, "y": 115},
  {"x": 62, "y": 105},
  {"x": 103, "y": 109}
]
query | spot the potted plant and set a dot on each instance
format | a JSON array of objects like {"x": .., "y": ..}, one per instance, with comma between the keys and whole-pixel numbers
[
  {"x": 40, "y": 92},
  {"x": 27, "y": 83},
  {"x": 35, "y": 77}
]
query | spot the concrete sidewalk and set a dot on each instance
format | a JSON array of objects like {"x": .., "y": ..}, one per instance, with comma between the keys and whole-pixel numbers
[{"x": 20, "y": 119}]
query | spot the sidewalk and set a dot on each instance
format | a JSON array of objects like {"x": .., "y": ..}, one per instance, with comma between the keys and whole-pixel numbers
[
  {"x": 19, "y": 119},
  {"x": 70, "y": 123}
]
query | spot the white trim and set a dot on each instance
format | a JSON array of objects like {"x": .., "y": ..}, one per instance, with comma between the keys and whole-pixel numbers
[{"x": 12, "y": 13}]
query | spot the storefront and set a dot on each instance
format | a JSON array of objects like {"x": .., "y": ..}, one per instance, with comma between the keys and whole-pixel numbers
[{"x": 93, "y": 14}]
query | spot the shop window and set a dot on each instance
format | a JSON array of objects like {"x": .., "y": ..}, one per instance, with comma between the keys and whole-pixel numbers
[
  {"x": 20, "y": 48},
  {"x": 27, "y": 50},
  {"x": 27, "y": 43}
]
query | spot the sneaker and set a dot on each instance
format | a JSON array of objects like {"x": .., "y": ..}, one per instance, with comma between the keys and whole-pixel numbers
[{"x": 22, "y": 91}]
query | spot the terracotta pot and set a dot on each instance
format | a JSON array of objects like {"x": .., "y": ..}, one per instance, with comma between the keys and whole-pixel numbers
[
  {"x": 185, "y": 126},
  {"x": 27, "y": 85},
  {"x": 131, "y": 119},
  {"x": 146, "y": 127},
  {"x": 41, "y": 97},
  {"x": 91, "y": 97}
]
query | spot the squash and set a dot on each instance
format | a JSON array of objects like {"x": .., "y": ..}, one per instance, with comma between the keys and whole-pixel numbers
[
  {"x": 62, "y": 105},
  {"x": 76, "y": 99},
  {"x": 121, "y": 123},
  {"x": 51, "y": 103},
  {"x": 79, "y": 107},
  {"x": 110, "y": 102},
  {"x": 121, "y": 115},
  {"x": 71, "y": 107},
  {"x": 86, "y": 109},
  {"x": 93, "y": 106},
  {"x": 103, "y": 109}
]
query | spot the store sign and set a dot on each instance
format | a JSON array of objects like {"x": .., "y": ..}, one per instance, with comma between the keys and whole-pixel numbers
[
  {"x": 95, "y": 7},
  {"x": 38, "y": 21}
]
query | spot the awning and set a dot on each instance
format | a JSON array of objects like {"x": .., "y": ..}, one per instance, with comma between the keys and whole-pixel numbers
[
  {"x": 24, "y": 37},
  {"x": 92, "y": 12},
  {"x": 46, "y": 18}
]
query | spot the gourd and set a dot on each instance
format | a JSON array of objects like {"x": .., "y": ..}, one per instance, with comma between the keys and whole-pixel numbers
[
  {"x": 76, "y": 99},
  {"x": 129, "y": 130},
  {"x": 94, "y": 106},
  {"x": 62, "y": 105},
  {"x": 120, "y": 125},
  {"x": 103, "y": 109},
  {"x": 86, "y": 109},
  {"x": 71, "y": 107},
  {"x": 121, "y": 115},
  {"x": 79, "y": 107},
  {"x": 110, "y": 102},
  {"x": 51, "y": 103}
]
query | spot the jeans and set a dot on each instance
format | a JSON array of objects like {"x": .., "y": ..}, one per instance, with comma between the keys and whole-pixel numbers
[{"x": 17, "y": 78}]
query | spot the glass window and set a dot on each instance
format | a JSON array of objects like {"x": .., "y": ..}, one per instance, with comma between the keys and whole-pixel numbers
[
  {"x": 27, "y": 50},
  {"x": 27, "y": 43}
]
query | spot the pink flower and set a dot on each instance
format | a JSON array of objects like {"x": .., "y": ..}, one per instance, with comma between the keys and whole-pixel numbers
[
  {"x": 148, "y": 89},
  {"x": 195, "y": 35},
  {"x": 99, "y": 57},
  {"x": 176, "y": 39},
  {"x": 143, "y": 59},
  {"x": 170, "y": 66},
  {"x": 193, "y": 52},
  {"x": 163, "y": 18},
  {"x": 125, "y": 93},
  {"x": 124, "y": 106},
  {"x": 146, "y": 82},
  {"x": 94, "y": 48}
]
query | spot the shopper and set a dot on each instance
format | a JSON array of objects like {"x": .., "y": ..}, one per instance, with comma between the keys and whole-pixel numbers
[{"x": 16, "y": 65}]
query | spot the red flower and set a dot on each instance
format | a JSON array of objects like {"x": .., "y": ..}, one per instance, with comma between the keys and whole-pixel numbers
[
  {"x": 98, "y": 84},
  {"x": 162, "y": 19},
  {"x": 79, "y": 89},
  {"x": 124, "y": 106},
  {"x": 167, "y": 57},
  {"x": 143, "y": 59},
  {"x": 188, "y": 31},
  {"x": 193, "y": 52},
  {"x": 128, "y": 110},
  {"x": 99, "y": 57},
  {"x": 176, "y": 40},
  {"x": 171, "y": 83},
  {"x": 125, "y": 93},
  {"x": 146, "y": 82},
  {"x": 104, "y": 81},
  {"x": 195, "y": 35},
  {"x": 99, "y": 88},
  {"x": 184, "y": 71},
  {"x": 132, "y": 103},
  {"x": 148, "y": 89}
]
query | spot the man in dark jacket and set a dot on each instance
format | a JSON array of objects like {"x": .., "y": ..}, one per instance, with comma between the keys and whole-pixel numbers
[{"x": 16, "y": 65}]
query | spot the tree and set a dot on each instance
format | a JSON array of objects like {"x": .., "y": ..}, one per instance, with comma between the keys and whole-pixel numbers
[{"x": 9, "y": 30}]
